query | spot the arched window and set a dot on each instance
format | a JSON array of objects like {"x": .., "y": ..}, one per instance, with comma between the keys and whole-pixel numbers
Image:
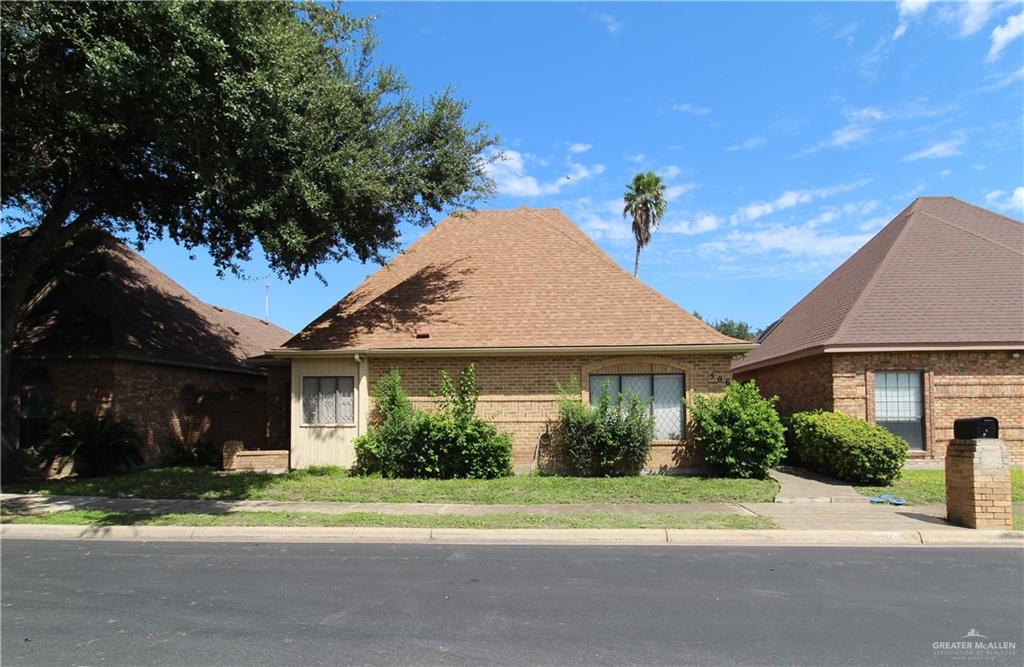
[{"x": 36, "y": 407}]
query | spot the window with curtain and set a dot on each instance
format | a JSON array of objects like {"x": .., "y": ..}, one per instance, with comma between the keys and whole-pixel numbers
[
  {"x": 663, "y": 392},
  {"x": 899, "y": 405},
  {"x": 328, "y": 400}
]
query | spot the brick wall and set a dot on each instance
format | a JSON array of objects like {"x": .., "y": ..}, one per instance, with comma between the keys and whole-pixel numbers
[
  {"x": 801, "y": 385},
  {"x": 956, "y": 384},
  {"x": 519, "y": 394},
  {"x": 164, "y": 401},
  {"x": 278, "y": 406}
]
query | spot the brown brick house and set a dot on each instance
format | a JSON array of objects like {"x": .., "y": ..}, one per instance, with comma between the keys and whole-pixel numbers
[
  {"x": 108, "y": 331},
  {"x": 922, "y": 325},
  {"x": 526, "y": 296}
]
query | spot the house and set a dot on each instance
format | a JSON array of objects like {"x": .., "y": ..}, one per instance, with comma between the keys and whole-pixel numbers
[
  {"x": 922, "y": 325},
  {"x": 107, "y": 331},
  {"x": 527, "y": 297}
]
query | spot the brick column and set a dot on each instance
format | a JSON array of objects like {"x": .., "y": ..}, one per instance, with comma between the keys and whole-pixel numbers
[{"x": 978, "y": 484}]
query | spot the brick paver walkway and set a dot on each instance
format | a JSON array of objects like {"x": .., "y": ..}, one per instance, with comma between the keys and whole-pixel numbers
[{"x": 802, "y": 486}]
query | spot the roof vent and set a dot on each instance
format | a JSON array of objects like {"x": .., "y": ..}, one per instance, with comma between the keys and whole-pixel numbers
[
  {"x": 423, "y": 332},
  {"x": 218, "y": 309}
]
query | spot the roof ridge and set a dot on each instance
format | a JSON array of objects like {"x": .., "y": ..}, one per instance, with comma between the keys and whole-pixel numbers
[
  {"x": 590, "y": 247},
  {"x": 980, "y": 208},
  {"x": 909, "y": 215},
  {"x": 974, "y": 233}
]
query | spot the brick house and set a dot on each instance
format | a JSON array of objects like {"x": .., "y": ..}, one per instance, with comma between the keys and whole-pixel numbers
[
  {"x": 922, "y": 325},
  {"x": 108, "y": 332},
  {"x": 528, "y": 298}
]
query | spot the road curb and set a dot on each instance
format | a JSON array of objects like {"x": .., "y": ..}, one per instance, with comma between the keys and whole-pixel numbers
[{"x": 525, "y": 536}]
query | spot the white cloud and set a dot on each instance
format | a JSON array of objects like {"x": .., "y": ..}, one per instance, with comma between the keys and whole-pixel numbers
[
  {"x": 908, "y": 9},
  {"x": 669, "y": 172},
  {"x": 673, "y": 192},
  {"x": 970, "y": 17},
  {"x": 1000, "y": 81},
  {"x": 508, "y": 170},
  {"x": 580, "y": 148},
  {"x": 1004, "y": 34},
  {"x": 946, "y": 173},
  {"x": 789, "y": 199},
  {"x": 862, "y": 121},
  {"x": 638, "y": 157},
  {"x": 873, "y": 224},
  {"x": 602, "y": 220},
  {"x": 747, "y": 144},
  {"x": 693, "y": 109},
  {"x": 1014, "y": 202},
  {"x": 846, "y": 31},
  {"x": 844, "y": 137},
  {"x": 793, "y": 240},
  {"x": 941, "y": 149},
  {"x": 611, "y": 24},
  {"x": 701, "y": 223}
]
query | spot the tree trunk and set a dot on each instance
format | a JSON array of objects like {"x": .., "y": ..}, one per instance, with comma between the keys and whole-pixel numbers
[
  {"x": 636, "y": 264},
  {"x": 41, "y": 244}
]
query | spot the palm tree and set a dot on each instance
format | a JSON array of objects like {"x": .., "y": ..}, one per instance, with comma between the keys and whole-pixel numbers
[{"x": 645, "y": 202}]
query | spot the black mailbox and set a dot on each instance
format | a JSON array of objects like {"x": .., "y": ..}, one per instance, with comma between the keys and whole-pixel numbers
[{"x": 972, "y": 428}]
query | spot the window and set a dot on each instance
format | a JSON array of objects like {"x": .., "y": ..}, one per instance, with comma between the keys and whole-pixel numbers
[
  {"x": 328, "y": 400},
  {"x": 35, "y": 407},
  {"x": 899, "y": 405},
  {"x": 663, "y": 392}
]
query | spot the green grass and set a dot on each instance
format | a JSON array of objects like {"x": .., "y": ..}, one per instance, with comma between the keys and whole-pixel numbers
[
  {"x": 922, "y": 487},
  {"x": 1018, "y": 521},
  {"x": 334, "y": 484},
  {"x": 309, "y": 519}
]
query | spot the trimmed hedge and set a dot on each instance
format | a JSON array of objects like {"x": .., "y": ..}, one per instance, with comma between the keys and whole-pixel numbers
[
  {"x": 846, "y": 448},
  {"x": 739, "y": 430}
]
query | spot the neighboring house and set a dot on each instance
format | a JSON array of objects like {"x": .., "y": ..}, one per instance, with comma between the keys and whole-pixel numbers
[
  {"x": 922, "y": 325},
  {"x": 528, "y": 298},
  {"x": 107, "y": 331}
]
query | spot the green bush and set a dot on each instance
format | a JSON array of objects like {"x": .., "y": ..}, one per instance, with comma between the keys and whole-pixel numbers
[
  {"x": 92, "y": 445},
  {"x": 610, "y": 439},
  {"x": 451, "y": 443},
  {"x": 739, "y": 430},
  {"x": 385, "y": 447},
  {"x": 848, "y": 449},
  {"x": 200, "y": 454}
]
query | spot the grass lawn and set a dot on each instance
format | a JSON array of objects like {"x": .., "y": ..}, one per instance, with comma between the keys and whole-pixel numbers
[
  {"x": 590, "y": 520},
  {"x": 334, "y": 484},
  {"x": 921, "y": 487}
]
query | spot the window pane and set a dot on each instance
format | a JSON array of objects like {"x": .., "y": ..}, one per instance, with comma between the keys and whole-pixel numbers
[
  {"x": 639, "y": 385},
  {"x": 597, "y": 383},
  {"x": 668, "y": 407},
  {"x": 309, "y": 400},
  {"x": 327, "y": 410},
  {"x": 899, "y": 405},
  {"x": 346, "y": 401}
]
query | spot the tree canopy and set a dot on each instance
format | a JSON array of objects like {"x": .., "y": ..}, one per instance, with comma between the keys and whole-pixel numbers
[
  {"x": 644, "y": 202},
  {"x": 223, "y": 124},
  {"x": 735, "y": 328}
]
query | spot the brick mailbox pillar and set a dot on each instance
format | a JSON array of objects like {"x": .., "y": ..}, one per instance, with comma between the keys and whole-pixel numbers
[{"x": 978, "y": 477}]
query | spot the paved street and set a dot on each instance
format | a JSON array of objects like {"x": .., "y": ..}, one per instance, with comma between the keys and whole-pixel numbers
[{"x": 73, "y": 603}]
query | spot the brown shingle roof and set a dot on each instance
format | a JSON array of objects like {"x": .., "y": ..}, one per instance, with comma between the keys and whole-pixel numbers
[
  {"x": 111, "y": 301},
  {"x": 504, "y": 279},
  {"x": 943, "y": 272}
]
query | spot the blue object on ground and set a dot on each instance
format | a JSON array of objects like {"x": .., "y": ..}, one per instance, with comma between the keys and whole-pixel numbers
[
  {"x": 898, "y": 501},
  {"x": 877, "y": 501}
]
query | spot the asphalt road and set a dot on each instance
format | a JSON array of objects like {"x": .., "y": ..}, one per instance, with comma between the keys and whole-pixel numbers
[{"x": 90, "y": 603}]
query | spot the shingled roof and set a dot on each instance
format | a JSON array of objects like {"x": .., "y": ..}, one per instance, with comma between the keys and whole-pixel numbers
[
  {"x": 110, "y": 302},
  {"x": 522, "y": 278},
  {"x": 942, "y": 273}
]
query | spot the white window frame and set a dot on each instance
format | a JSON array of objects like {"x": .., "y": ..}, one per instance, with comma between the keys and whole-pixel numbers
[
  {"x": 920, "y": 407},
  {"x": 302, "y": 398}
]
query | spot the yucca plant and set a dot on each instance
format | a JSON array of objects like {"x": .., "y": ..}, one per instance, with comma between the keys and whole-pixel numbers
[{"x": 92, "y": 445}]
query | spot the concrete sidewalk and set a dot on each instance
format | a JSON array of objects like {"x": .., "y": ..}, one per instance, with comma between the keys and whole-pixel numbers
[
  {"x": 526, "y": 536},
  {"x": 803, "y": 486},
  {"x": 793, "y": 516}
]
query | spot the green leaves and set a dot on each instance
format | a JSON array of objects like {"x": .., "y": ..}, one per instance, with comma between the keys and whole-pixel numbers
[
  {"x": 739, "y": 430},
  {"x": 225, "y": 125},
  {"x": 611, "y": 439},
  {"x": 846, "y": 448},
  {"x": 646, "y": 204}
]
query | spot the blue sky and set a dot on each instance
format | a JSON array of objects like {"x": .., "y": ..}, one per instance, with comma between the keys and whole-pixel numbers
[{"x": 788, "y": 133}]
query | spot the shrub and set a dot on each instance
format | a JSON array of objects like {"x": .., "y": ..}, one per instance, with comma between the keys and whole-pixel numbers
[
  {"x": 847, "y": 448},
  {"x": 393, "y": 425},
  {"x": 200, "y": 454},
  {"x": 739, "y": 430},
  {"x": 453, "y": 442},
  {"x": 93, "y": 445},
  {"x": 612, "y": 438}
]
